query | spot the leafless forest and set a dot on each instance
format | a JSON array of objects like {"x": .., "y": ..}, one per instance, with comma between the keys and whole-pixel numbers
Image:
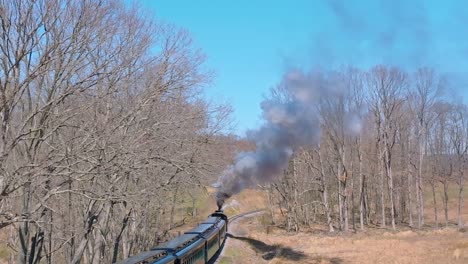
[
  {"x": 103, "y": 127},
  {"x": 388, "y": 139}
]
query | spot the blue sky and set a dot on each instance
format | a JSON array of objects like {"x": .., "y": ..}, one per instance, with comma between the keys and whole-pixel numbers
[{"x": 250, "y": 44}]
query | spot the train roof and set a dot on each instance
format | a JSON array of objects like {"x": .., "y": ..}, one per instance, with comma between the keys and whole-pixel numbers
[
  {"x": 202, "y": 228},
  {"x": 179, "y": 242},
  {"x": 205, "y": 230},
  {"x": 148, "y": 257},
  {"x": 211, "y": 220}
]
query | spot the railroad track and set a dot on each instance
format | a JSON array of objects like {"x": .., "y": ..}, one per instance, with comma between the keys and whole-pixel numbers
[
  {"x": 231, "y": 220},
  {"x": 237, "y": 216}
]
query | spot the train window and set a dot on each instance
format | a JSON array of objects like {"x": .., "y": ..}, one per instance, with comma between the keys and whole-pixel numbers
[
  {"x": 200, "y": 255},
  {"x": 213, "y": 242}
]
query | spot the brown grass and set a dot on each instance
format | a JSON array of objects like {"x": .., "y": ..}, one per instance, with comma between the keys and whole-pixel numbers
[
  {"x": 371, "y": 246},
  {"x": 251, "y": 243}
]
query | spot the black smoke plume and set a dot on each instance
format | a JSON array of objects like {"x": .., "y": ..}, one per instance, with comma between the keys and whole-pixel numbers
[{"x": 290, "y": 122}]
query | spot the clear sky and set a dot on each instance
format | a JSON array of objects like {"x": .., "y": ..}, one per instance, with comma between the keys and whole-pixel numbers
[{"x": 250, "y": 44}]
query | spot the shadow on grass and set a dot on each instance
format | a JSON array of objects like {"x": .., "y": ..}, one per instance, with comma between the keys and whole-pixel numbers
[
  {"x": 271, "y": 251},
  {"x": 319, "y": 260}
]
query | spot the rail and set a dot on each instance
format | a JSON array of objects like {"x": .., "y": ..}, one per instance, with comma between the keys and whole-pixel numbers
[
  {"x": 230, "y": 220},
  {"x": 237, "y": 216}
]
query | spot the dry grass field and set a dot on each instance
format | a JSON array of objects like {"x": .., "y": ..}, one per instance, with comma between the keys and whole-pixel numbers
[{"x": 250, "y": 243}]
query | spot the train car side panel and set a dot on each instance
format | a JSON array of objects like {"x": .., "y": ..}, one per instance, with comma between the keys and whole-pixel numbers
[
  {"x": 212, "y": 244},
  {"x": 152, "y": 256},
  {"x": 193, "y": 254}
]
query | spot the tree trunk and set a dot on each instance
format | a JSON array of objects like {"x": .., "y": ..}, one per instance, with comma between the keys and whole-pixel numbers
[
  {"x": 90, "y": 219},
  {"x": 460, "y": 194},
  {"x": 420, "y": 186},
  {"x": 296, "y": 198},
  {"x": 362, "y": 213},
  {"x": 344, "y": 190},
  {"x": 270, "y": 205},
  {"x": 119, "y": 237},
  {"x": 382, "y": 193},
  {"x": 173, "y": 205},
  {"x": 70, "y": 217},
  {"x": 327, "y": 209},
  {"x": 326, "y": 204},
  {"x": 434, "y": 200},
  {"x": 389, "y": 174},
  {"x": 128, "y": 239},
  {"x": 345, "y": 207},
  {"x": 99, "y": 237},
  {"x": 24, "y": 232},
  {"x": 361, "y": 186},
  {"x": 351, "y": 194},
  {"x": 353, "y": 208},
  {"x": 392, "y": 202},
  {"x": 342, "y": 196},
  {"x": 410, "y": 183},
  {"x": 445, "y": 183},
  {"x": 361, "y": 203}
]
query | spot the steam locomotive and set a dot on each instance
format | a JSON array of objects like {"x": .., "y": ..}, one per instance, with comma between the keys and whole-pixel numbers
[{"x": 195, "y": 246}]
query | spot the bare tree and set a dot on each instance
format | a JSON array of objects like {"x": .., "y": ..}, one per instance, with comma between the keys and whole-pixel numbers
[
  {"x": 387, "y": 87},
  {"x": 458, "y": 131},
  {"x": 100, "y": 110},
  {"x": 441, "y": 151},
  {"x": 323, "y": 184},
  {"x": 427, "y": 89},
  {"x": 407, "y": 131}
]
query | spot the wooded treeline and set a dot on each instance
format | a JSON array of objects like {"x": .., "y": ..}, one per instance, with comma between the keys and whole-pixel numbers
[
  {"x": 103, "y": 129},
  {"x": 102, "y": 125},
  {"x": 389, "y": 138}
]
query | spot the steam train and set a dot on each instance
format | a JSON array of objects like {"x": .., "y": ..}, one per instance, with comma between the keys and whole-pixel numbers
[{"x": 196, "y": 246}]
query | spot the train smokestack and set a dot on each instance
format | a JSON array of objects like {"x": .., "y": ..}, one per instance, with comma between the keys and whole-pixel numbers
[{"x": 220, "y": 198}]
